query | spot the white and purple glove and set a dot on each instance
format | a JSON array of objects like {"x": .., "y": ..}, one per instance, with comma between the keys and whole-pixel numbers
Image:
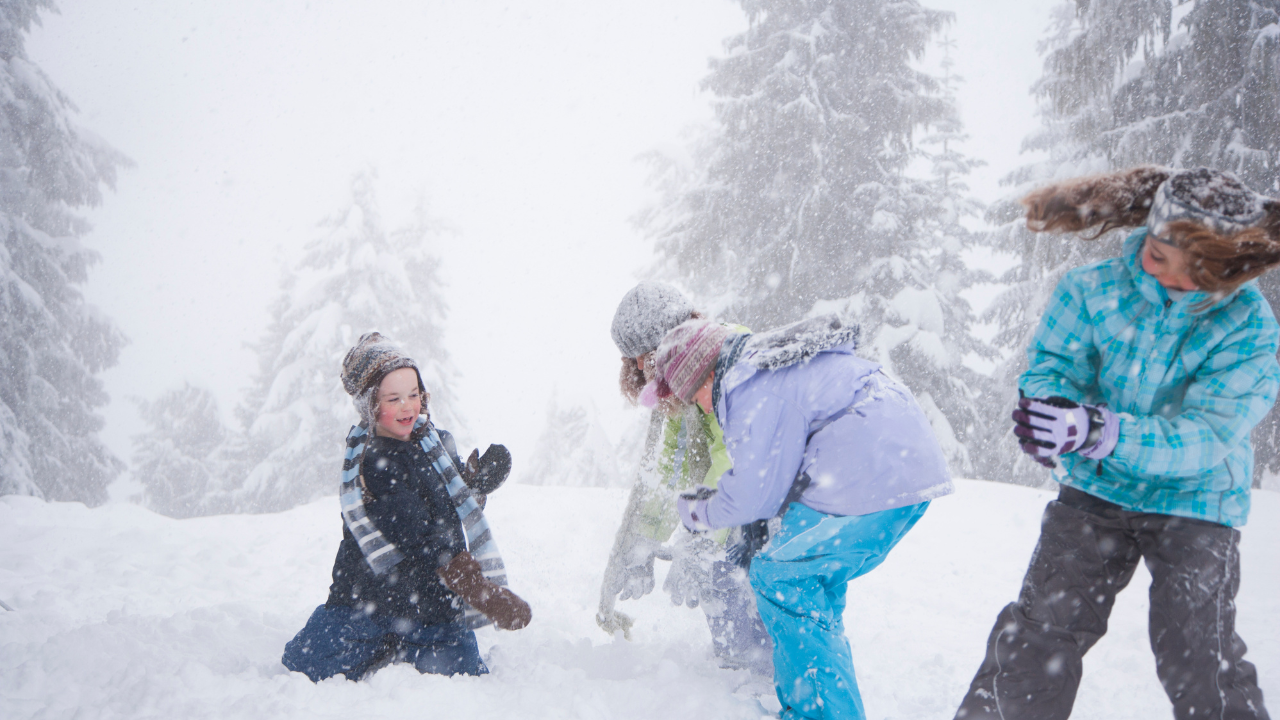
[
  {"x": 1052, "y": 426},
  {"x": 693, "y": 508}
]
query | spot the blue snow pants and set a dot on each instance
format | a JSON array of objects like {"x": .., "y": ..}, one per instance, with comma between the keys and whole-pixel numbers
[
  {"x": 800, "y": 579},
  {"x": 344, "y": 640}
]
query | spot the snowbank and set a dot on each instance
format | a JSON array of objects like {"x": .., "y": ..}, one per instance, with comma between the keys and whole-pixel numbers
[{"x": 123, "y": 613}]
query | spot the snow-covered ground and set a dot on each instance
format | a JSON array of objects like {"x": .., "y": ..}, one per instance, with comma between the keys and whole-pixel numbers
[{"x": 123, "y": 613}]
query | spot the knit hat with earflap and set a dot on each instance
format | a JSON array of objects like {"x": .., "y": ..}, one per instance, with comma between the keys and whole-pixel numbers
[
  {"x": 1212, "y": 198},
  {"x": 366, "y": 365},
  {"x": 688, "y": 353},
  {"x": 647, "y": 312}
]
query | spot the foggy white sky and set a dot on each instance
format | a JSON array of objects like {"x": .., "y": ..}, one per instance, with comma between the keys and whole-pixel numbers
[{"x": 519, "y": 122}]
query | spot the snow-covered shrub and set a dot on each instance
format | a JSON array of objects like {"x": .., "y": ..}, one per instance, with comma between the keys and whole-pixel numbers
[{"x": 177, "y": 459}]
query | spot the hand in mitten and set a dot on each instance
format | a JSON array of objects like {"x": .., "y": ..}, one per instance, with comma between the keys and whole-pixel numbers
[
  {"x": 463, "y": 576},
  {"x": 637, "y": 580},
  {"x": 693, "y": 508},
  {"x": 1056, "y": 426},
  {"x": 690, "y": 572},
  {"x": 470, "y": 468},
  {"x": 485, "y": 473}
]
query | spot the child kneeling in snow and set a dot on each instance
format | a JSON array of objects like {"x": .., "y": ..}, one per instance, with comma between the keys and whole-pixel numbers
[
  {"x": 841, "y": 451},
  {"x": 417, "y": 569},
  {"x": 1145, "y": 378}
]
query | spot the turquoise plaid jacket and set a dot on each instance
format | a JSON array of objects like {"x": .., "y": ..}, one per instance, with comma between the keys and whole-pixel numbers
[{"x": 1189, "y": 378}]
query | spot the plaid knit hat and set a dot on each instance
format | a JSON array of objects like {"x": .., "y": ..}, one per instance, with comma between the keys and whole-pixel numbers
[
  {"x": 647, "y": 312},
  {"x": 366, "y": 365},
  {"x": 1212, "y": 198},
  {"x": 687, "y": 355}
]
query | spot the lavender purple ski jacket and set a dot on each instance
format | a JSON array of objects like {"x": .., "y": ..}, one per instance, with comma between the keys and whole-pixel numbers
[{"x": 879, "y": 456}]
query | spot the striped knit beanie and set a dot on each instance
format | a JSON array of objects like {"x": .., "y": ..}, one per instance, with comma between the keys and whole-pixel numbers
[
  {"x": 1212, "y": 198},
  {"x": 366, "y": 365},
  {"x": 687, "y": 354}
]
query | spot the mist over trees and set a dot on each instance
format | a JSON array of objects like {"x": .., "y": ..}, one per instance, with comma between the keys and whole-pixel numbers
[
  {"x": 801, "y": 199},
  {"x": 830, "y": 180},
  {"x": 355, "y": 277},
  {"x": 177, "y": 460},
  {"x": 574, "y": 450},
  {"x": 1125, "y": 84},
  {"x": 53, "y": 344}
]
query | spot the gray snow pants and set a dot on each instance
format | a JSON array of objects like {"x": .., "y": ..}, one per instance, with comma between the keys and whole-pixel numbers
[{"x": 1088, "y": 551}]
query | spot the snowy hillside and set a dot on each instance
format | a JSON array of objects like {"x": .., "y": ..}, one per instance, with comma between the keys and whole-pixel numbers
[{"x": 123, "y": 613}]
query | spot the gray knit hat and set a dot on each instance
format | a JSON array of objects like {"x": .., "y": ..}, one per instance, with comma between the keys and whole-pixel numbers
[
  {"x": 647, "y": 312},
  {"x": 1212, "y": 198},
  {"x": 366, "y": 365}
]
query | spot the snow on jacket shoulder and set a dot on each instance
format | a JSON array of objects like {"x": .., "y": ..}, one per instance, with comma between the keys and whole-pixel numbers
[
  {"x": 1190, "y": 378},
  {"x": 409, "y": 502},
  {"x": 879, "y": 456}
]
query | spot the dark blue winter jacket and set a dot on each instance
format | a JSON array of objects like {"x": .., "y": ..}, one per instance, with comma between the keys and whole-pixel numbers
[{"x": 407, "y": 500}]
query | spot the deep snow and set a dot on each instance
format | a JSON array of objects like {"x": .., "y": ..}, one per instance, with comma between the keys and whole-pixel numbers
[{"x": 123, "y": 613}]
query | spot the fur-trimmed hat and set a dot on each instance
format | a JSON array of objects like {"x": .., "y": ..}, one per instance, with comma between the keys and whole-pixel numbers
[
  {"x": 366, "y": 365},
  {"x": 1213, "y": 198},
  {"x": 687, "y": 355},
  {"x": 647, "y": 312}
]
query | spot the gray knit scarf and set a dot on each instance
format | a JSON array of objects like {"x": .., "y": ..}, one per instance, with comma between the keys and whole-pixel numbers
[{"x": 381, "y": 553}]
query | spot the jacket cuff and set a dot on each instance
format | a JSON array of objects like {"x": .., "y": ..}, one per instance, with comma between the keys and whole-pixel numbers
[{"x": 693, "y": 513}]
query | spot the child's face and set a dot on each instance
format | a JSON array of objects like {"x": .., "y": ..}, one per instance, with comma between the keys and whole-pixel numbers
[
  {"x": 399, "y": 403},
  {"x": 703, "y": 396},
  {"x": 1167, "y": 264}
]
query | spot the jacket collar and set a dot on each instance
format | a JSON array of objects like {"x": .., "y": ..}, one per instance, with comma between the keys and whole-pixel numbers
[
  {"x": 1193, "y": 303},
  {"x": 725, "y": 361}
]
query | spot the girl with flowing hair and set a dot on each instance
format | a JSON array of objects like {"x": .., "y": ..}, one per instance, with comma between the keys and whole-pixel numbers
[{"x": 1146, "y": 375}]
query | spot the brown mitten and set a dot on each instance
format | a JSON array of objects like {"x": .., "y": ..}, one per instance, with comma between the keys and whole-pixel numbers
[
  {"x": 469, "y": 471},
  {"x": 473, "y": 466},
  {"x": 462, "y": 575}
]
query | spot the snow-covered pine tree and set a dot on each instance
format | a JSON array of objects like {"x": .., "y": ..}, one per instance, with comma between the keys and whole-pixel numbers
[
  {"x": 799, "y": 200},
  {"x": 52, "y": 343},
  {"x": 1088, "y": 47},
  {"x": 355, "y": 278},
  {"x": 1211, "y": 97},
  {"x": 927, "y": 332},
  {"x": 1125, "y": 85},
  {"x": 177, "y": 459},
  {"x": 573, "y": 450}
]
